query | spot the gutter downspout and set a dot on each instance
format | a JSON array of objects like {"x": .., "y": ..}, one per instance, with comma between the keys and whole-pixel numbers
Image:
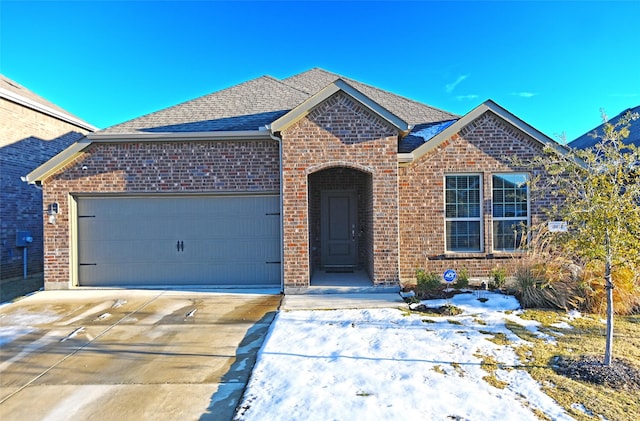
[{"x": 279, "y": 140}]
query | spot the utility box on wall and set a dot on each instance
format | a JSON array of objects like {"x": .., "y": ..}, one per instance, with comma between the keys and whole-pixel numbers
[{"x": 23, "y": 238}]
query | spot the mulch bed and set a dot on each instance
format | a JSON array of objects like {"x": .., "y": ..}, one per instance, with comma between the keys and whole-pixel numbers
[{"x": 620, "y": 375}]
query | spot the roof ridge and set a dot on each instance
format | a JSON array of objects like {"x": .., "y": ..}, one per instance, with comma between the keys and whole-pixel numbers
[
  {"x": 326, "y": 72},
  {"x": 282, "y": 81},
  {"x": 355, "y": 83}
]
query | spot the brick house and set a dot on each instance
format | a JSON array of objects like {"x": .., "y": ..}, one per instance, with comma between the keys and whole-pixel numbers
[
  {"x": 32, "y": 130},
  {"x": 304, "y": 181}
]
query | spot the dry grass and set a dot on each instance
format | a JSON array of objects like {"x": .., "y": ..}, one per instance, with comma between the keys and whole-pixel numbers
[
  {"x": 585, "y": 338},
  {"x": 626, "y": 294}
]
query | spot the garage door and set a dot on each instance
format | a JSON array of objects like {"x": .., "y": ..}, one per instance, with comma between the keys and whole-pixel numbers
[{"x": 173, "y": 241}]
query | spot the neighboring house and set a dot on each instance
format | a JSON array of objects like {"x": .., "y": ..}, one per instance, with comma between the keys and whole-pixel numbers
[
  {"x": 32, "y": 130},
  {"x": 279, "y": 182},
  {"x": 589, "y": 139}
]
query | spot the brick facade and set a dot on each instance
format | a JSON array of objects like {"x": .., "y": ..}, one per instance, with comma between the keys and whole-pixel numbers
[
  {"x": 28, "y": 138},
  {"x": 339, "y": 145},
  {"x": 144, "y": 168},
  {"x": 341, "y": 133},
  {"x": 478, "y": 148}
]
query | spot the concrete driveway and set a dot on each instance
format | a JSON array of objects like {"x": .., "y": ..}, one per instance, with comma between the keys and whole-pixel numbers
[{"x": 129, "y": 354}]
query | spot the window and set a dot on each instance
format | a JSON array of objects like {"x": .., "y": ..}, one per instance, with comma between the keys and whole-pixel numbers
[
  {"x": 510, "y": 210},
  {"x": 463, "y": 216}
]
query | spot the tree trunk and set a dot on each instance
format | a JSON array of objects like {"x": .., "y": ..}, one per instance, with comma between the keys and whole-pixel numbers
[{"x": 608, "y": 284}]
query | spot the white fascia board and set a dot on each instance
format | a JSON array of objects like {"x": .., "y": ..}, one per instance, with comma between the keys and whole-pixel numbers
[
  {"x": 526, "y": 128},
  {"x": 58, "y": 161},
  {"x": 179, "y": 136},
  {"x": 18, "y": 99}
]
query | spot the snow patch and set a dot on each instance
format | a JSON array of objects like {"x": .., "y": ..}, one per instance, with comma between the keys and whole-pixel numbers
[
  {"x": 379, "y": 363},
  {"x": 73, "y": 334},
  {"x": 429, "y": 132},
  {"x": 9, "y": 334}
]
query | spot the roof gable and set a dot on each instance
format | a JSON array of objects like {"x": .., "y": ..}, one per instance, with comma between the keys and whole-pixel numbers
[
  {"x": 334, "y": 87},
  {"x": 411, "y": 111},
  {"x": 496, "y": 109}
]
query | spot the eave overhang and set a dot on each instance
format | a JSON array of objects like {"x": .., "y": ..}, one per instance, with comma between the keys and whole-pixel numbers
[
  {"x": 54, "y": 164},
  {"x": 178, "y": 136},
  {"x": 72, "y": 152},
  {"x": 26, "y": 102}
]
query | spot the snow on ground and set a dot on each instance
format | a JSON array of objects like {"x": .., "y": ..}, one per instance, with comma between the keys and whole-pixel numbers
[
  {"x": 387, "y": 364},
  {"x": 22, "y": 323}
]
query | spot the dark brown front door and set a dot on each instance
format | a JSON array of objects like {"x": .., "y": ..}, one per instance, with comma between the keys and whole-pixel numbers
[{"x": 338, "y": 229}]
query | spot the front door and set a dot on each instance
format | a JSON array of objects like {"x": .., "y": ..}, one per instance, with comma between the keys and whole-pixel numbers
[{"x": 338, "y": 229}]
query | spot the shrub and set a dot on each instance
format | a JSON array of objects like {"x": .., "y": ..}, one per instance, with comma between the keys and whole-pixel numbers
[
  {"x": 498, "y": 277},
  {"x": 428, "y": 282},
  {"x": 463, "y": 279}
]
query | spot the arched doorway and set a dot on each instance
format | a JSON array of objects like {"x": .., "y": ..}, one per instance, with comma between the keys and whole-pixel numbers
[{"x": 340, "y": 227}]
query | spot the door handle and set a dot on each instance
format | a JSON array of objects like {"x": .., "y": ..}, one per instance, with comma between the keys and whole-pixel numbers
[{"x": 180, "y": 245}]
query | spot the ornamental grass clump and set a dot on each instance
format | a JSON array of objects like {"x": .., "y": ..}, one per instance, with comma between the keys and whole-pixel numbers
[
  {"x": 547, "y": 284},
  {"x": 544, "y": 277},
  {"x": 626, "y": 294}
]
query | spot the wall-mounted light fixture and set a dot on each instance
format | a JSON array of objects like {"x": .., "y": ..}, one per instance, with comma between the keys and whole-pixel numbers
[{"x": 52, "y": 211}]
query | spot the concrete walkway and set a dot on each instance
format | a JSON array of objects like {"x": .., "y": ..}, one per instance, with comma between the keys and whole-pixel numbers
[
  {"x": 343, "y": 301},
  {"x": 129, "y": 354}
]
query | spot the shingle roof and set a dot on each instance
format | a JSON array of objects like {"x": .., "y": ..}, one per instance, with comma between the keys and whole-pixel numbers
[
  {"x": 16, "y": 88},
  {"x": 258, "y": 102},
  {"x": 15, "y": 92},
  {"x": 246, "y": 106},
  {"x": 588, "y": 141},
  {"x": 411, "y": 111},
  {"x": 421, "y": 134}
]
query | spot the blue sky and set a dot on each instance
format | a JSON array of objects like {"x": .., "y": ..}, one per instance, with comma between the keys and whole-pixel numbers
[{"x": 553, "y": 64}]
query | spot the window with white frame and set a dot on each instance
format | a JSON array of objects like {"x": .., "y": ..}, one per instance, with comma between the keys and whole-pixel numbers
[
  {"x": 510, "y": 196},
  {"x": 463, "y": 213}
]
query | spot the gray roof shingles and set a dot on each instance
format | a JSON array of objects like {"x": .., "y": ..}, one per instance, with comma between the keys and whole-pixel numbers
[
  {"x": 412, "y": 112},
  {"x": 587, "y": 140},
  {"x": 246, "y": 106},
  {"x": 17, "y": 89},
  {"x": 258, "y": 102}
]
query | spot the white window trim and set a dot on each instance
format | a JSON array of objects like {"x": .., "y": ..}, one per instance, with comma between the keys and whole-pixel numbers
[
  {"x": 511, "y": 218},
  {"x": 479, "y": 218}
]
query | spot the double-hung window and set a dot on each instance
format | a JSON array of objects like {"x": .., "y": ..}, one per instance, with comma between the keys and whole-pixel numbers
[
  {"x": 510, "y": 210},
  {"x": 463, "y": 214}
]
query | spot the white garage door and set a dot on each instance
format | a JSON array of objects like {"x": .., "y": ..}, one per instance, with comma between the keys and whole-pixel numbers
[{"x": 173, "y": 241}]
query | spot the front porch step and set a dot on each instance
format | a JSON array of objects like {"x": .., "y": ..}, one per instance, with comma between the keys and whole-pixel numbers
[
  {"x": 339, "y": 268},
  {"x": 343, "y": 289},
  {"x": 343, "y": 301}
]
